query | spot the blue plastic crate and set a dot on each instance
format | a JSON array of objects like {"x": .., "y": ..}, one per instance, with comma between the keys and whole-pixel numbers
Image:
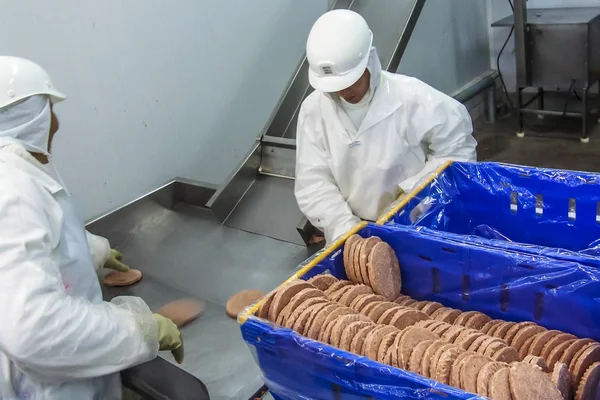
[
  {"x": 504, "y": 284},
  {"x": 541, "y": 211}
]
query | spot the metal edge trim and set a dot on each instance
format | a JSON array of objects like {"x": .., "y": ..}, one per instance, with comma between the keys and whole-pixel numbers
[
  {"x": 256, "y": 146},
  {"x": 168, "y": 185},
  {"x": 275, "y": 141},
  {"x": 405, "y": 36},
  {"x": 385, "y": 218},
  {"x": 264, "y": 131},
  {"x": 250, "y": 311},
  {"x": 235, "y": 180},
  {"x": 165, "y": 186}
]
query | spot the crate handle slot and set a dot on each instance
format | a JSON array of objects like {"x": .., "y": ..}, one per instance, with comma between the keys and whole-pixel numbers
[
  {"x": 526, "y": 266},
  {"x": 448, "y": 250},
  {"x": 466, "y": 288},
  {"x": 435, "y": 281},
  {"x": 504, "y": 297},
  {"x": 336, "y": 390},
  {"x": 514, "y": 202},
  {"x": 539, "y": 205},
  {"x": 572, "y": 209},
  {"x": 538, "y": 306},
  {"x": 422, "y": 257}
]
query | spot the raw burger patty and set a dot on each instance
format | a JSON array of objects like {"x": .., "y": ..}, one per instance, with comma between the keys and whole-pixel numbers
[
  {"x": 182, "y": 312},
  {"x": 116, "y": 278},
  {"x": 241, "y": 300}
]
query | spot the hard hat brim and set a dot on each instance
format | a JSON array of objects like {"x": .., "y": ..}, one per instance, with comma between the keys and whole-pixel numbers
[
  {"x": 332, "y": 84},
  {"x": 56, "y": 97}
]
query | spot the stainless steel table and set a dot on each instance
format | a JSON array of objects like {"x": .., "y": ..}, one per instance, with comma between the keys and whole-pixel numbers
[{"x": 184, "y": 251}]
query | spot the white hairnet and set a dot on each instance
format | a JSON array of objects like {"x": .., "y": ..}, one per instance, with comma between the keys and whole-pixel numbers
[
  {"x": 27, "y": 123},
  {"x": 374, "y": 67}
]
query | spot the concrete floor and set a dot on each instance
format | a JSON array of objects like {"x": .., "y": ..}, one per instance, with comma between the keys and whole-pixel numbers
[{"x": 551, "y": 142}]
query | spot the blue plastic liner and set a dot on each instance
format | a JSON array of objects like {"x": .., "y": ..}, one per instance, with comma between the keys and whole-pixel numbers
[
  {"x": 504, "y": 284},
  {"x": 542, "y": 211}
]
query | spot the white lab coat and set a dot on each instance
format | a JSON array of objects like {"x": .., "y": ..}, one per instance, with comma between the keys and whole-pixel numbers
[
  {"x": 58, "y": 339},
  {"x": 345, "y": 175}
]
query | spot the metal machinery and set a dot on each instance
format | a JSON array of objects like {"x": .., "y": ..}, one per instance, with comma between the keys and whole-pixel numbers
[
  {"x": 556, "y": 48},
  {"x": 194, "y": 240}
]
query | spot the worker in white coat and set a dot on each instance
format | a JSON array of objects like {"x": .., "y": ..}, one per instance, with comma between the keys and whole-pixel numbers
[
  {"x": 58, "y": 338},
  {"x": 365, "y": 136}
]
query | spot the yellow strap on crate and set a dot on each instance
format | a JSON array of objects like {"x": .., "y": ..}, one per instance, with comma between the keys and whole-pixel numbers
[
  {"x": 243, "y": 317},
  {"x": 386, "y": 217}
]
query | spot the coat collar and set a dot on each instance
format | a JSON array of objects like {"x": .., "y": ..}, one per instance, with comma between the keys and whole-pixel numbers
[
  {"x": 385, "y": 102},
  {"x": 16, "y": 155}
]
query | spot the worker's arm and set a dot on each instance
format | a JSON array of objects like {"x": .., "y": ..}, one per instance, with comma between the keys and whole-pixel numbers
[
  {"x": 103, "y": 256},
  {"x": 48, "y": 334},
  {"x": 443, "y": 126},
  {"x": 317, "y": 193},
  {"x": 99, "y": 250}
]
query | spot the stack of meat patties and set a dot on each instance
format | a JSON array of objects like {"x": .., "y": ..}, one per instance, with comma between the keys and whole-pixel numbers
[{"x": 467, "y": 350}]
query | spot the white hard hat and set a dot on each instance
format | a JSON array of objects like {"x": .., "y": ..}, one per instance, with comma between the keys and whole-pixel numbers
[
  {"x": 21, "y": 78},
  {"x": 337, "y": 50}
]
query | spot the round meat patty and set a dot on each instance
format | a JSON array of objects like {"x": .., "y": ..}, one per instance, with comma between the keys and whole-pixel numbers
[
  {"x": 119, "y": 279},
  {"x": 183, "y": 311}
]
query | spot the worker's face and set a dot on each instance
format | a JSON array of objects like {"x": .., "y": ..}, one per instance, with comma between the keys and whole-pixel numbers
[
  {"x": 54, "y": 125},
  {"x": 356, "y": 92}
]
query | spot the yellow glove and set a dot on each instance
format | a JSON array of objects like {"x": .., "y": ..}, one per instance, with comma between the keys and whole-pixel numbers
[
  {"x": 169, "y": 337},
  {"x": 114, "y": 262}
]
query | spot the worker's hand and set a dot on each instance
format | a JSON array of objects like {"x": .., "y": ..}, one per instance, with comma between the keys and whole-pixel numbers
[
  {"x": 169, "y": 337},
  {"x": 114, "y": 262}
]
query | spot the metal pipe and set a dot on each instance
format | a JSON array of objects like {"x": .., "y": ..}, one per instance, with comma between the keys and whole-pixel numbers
[
  {"x": 521, "y": 48},
  {"x": 272, "y": 175},
  {"x": 490, "y": 105},
  {"x": 487, "y": 82},
  {"x": 552, "y": 113},
  {"x": 475, "y": 88}
]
